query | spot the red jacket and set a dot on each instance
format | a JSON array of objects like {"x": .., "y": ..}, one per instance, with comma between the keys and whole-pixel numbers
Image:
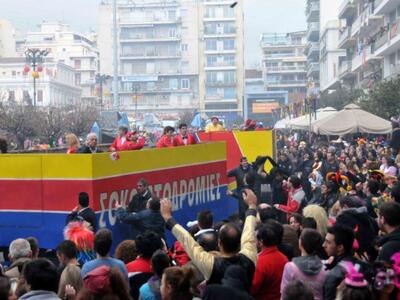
[
  {"x": 139, "y": 144},
  {"x": 117, "y": 144},
  {"x": 268, "y": 276},
  {"x": 164, "y": 142},
  {"x": 140, "y": 264},
  {"x": 178, "y": 140},
  {"x": 295, "y": 198}
]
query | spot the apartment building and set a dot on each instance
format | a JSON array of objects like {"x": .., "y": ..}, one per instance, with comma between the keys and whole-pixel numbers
[
  {"x": 176, "y": 55},
  {"x": 285, "y": 64},
  {"x": 312, "y": 50},
  {"x": 73, "y": 49},
  {"x": 55, "y": 85},
  {"x": 7, "y": 39}
]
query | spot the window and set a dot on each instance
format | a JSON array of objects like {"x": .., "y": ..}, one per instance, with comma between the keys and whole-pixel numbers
[
  {"x": 13, "y": 73},
  {"x": 229, "y": 93},
  {"x": 173, "y": 83},
  {"x": 185, "y": 84},
  {"x": 211, "y": 76},
  {"x": 229, "y": 12},
  {"x": 77, "y": 64},
  {"x": 229, "y": 44},
  {"x": 184, "y": 47},
  {"x": 211, "y": 92},
  {"x": 77, "y": 79},
  {"x": 229, "y": 77},
  {"x": 11, "y": 95},
  {"x": 211, "y": 45},
  {"x": 40, "y": 95},
  {"x": 184, "y": 12},
  {"x": 229, "y": 60},
  {"x": 211, "y": 61}
]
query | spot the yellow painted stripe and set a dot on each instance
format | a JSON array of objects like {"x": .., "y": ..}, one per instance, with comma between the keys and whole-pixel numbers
[
  {"x": 87, "y": 166},
  {"x": 255, "y": 143}
]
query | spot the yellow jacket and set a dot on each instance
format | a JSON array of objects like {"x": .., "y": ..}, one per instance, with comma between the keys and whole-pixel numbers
[{"x": 211, "y": 128}]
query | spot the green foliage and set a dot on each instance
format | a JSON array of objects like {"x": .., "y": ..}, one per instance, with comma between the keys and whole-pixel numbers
[{"x": 384, "y": 99}]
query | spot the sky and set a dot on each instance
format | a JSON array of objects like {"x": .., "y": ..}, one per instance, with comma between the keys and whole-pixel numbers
[{"x": 259, "y": 15}]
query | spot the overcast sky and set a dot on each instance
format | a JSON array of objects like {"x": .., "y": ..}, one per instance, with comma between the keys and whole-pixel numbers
[{"x": 260, "y": 16}]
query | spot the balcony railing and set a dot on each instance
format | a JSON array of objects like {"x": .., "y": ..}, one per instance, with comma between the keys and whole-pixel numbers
[
  {"x": 285, "y": 69},
  {"x": 151, "y": 54},
  {"x": 345, "y": 7},
  {"x": 287, "y": 82},
  {"x": 345, "y": 34},
  {"x": 344, "y": 67},
  {"x": 220, "y": 83},
  {"x": 151, "y": 20}
]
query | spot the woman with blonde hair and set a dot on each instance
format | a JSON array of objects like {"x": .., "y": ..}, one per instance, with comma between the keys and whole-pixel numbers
[
  {"x": 319, "y": 215},
  {"x": 72, "y": 143}
]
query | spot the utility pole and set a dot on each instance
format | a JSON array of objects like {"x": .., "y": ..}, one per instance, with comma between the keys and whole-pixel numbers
[
  {"x": 115, "y": 57},
  {"x": 135, "y": 98},
  {"x": 35, "y": 57}
]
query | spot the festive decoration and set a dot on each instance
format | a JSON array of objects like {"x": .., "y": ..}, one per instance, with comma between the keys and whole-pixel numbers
[
  {"x": 39, "y": 69},
  {"x": 35, "y": 74},
  {"x": 26, "y": 69},
  {"x": 353, "y": 277},
  {"x": 114, "y": 156},
  {"x": 83, "y": 237}
]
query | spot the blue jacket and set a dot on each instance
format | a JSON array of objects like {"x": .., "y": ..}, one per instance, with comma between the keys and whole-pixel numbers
[{"x": 143, "y": 220}]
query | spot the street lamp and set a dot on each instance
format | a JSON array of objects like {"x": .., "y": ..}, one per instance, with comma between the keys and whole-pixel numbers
[
  {"x": 35, "y": 57},
  {"x": 100, "y": 80}
]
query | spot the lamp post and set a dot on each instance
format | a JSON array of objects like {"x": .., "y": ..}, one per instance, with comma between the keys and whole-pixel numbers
[
  {"x": 35, "y": 57},
  {"x": 135, "y": 91},
  {"x": 100, "y": 80}
]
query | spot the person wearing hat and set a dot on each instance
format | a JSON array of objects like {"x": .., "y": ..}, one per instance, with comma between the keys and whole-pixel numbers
[
  {"x": 134, "y": 141},
  {"x": 214, "y": 125}
]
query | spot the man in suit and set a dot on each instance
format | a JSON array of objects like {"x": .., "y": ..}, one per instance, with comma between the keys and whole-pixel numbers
[
  {"x": 83, "y": 212},
  {"x": 90, "y": 145},
  {"x": 184, "y": 138}
]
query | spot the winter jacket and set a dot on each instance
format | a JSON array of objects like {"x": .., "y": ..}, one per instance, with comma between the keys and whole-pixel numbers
[
  {"x": 40, "y": 295},
  {"x": 209, "y": 265},
  {"x": 294, "y": 201},
  {"x": 365, "y": 228},
  {"x": 85, "y": 214},
  {"x": 142, "y": 221},
  {"x": 118, "y": 144},
  {"x": 232, "y": 287},
  {"x": 15, "y": 269},
  {"x": 164, "y": 142},
  {"x": 130, "y": 145},
  {"x": 395, "y": 141},
  {"x": 390, "y": 244},
  {"x": 268, "y": 275},
  {"x": 151, "y": 289},
  {"x": 139, "y": 202},
  {"x": 307, "y": 269},
  {"x": 337, "y": 273},
  {"x": 239, "y": 173}
]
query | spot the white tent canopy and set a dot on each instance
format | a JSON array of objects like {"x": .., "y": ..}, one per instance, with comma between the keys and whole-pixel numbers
[
  {"x": 352, "y": 119},
  {"x": 282, "y": 124},
  {"x": 303, "y": 122}
]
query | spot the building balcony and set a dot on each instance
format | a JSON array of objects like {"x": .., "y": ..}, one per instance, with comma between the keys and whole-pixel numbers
[
  {"x": 366, "y": 22},
  {"x": 287, "y": 83},
  {"x": 220, "y": 66},
  {"x": 285, "y": 69},
  {"x": 365, "y": 58},
  {"x": 221, "y": 51},
  {"x": 313, "y": 32},
  {"x": 148, "y": 39},
  {"x": 385, "y": 6},
  {"x": 345, "y": 39},
  {"x": 144, "y": 4},
  {"x": 389, "y": 41},
  {"x": 313, "y": 51},
  {"x": 220, "y": 83},
  {"x": 150, "y": 55},
  {"x": 132, "y": 22},
  {"x": 313, "y": 69},
  {"x": 209, "y": 18},
  {"x": 217, "y": 2},
  {"x": 345, "y": 70},
  {"x": 347, "y": 9},
  {"x": 313, "y": 12}
]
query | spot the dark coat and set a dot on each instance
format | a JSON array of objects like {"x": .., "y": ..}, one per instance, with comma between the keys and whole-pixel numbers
[
  {"x": 87, "y": 215},
  {"x": 239, "y": 173},
  {"x": 337, "y": 273},
  {"x": 142, "y": 221},
  {"x": 233, "y": 286},
  {"x": 390, "y": 244},
  {"x": 395, "y": 141},
  {"x": 138, "y": 202},
  {"x": 86, "y": 149}
]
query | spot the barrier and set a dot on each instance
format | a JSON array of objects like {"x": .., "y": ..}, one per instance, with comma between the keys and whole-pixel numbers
[{"x": 39, "y": 190}]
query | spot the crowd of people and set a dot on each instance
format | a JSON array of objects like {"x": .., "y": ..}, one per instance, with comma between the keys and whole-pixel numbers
[{"x": 322, "y": 221}]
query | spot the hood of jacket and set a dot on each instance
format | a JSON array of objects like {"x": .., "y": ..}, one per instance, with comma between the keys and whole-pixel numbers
[
  {"x": 309, "y": 265},
  {"x": 40, "y": 295}
]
